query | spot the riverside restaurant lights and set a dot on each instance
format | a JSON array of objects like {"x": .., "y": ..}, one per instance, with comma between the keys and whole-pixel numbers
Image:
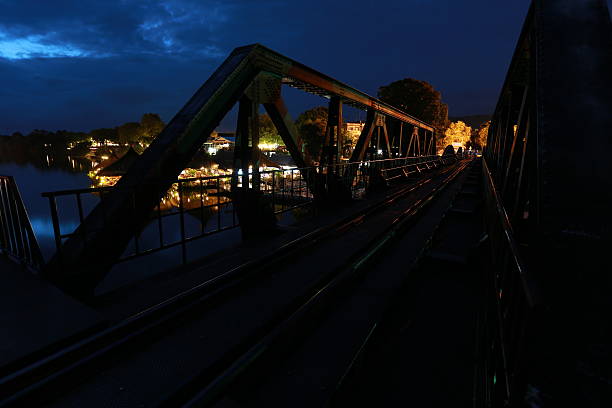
[
  {"x": 212, "y": 171},
  {"x": 268, "y": 146}
]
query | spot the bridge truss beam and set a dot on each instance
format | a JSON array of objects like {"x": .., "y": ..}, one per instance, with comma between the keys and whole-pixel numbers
[
  {"x": 550, "y": 198},
  {"x": 133, "y": 198}
]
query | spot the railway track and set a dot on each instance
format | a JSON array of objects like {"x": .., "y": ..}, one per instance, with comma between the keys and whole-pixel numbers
[
  {"x": 67, "y": 376},
  {"x": 282, "y": 337}
]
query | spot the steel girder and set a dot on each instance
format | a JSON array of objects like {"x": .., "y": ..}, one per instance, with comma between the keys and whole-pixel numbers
[
  {"x": 547, "y": 153},
  {"x": 107, "y": 230},
  {"x": 378, "y": 133},
  {"x": 332, "y": 145},
  {"x": 556, "y": 100}
]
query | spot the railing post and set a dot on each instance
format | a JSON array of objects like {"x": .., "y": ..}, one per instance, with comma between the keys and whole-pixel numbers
[
  {"x": 15, "y": 221},
  {"x": 8, "y": 227},
  {"x": 202, "y": 226},
  {"x": 273, "y": 190},
  {"x": 56, "y": 226},
  {"x": 159, "y": 220},
  {"x": 182, "y": 221},
  {"x": 218, "y": 205}
]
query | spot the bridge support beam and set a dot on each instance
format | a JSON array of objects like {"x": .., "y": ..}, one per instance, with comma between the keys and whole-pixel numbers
[
  {"x": 246, "y": 150},
  {"x": 374, "y": 121},
  {"x": 332, "y": 146},
  {"x": 400, "y": 153},
  {"x": 131, "y": 201},
  {"x": 414, "y": 146},
  {"x": 431, "y": 145},
  {"x": 105, "y": 233},
  {"x": 256, "y": 216},
  {"x": 331, "y": 188},
  {"x": 387, "y": 151},
  {"x": 286, "y": 128}
]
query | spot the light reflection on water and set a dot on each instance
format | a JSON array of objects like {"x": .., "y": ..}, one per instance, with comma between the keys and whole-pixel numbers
[
  {"x": 35, "y": 178},
  {"x": 32, "y": 180},
  {"x": 44, "y": 228},
  {"x": 52, "y": 175}
]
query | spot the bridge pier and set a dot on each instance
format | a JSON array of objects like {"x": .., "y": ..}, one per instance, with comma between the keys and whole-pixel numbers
[{"x": 255, "y": 214}]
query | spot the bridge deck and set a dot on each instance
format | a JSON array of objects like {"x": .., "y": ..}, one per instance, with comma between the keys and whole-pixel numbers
[
  {"x": 37, "y": 316},
  {"x": 139, "y": 295},
  {"x": 409, "y": 331},
  {"x": 163, "y": 367},
  {"x": 425, "y": 355}
]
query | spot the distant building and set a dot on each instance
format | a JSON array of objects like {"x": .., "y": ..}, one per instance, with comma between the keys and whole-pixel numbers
[
  {"x": 353, "y": 129},
  {"x": 218, "y": 142},
  {"x": 231, "y": 136},
  {"x": 105, "y": 143}
]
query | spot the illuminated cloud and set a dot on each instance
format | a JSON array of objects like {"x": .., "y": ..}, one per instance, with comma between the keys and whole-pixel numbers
[
  {"x": 35, "y": 46},
  {"x": 95, "y": 29},
  {"x": 79, "y": 65}
]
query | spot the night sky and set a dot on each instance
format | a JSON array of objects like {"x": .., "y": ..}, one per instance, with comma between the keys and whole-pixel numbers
[{"x": 85, "y": 64}]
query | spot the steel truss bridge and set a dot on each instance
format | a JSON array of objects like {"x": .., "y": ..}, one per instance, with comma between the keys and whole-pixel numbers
[{"x": 415, "y": 279}]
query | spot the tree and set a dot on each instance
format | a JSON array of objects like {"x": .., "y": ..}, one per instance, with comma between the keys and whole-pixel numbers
[
  {"x": 129, "y": 133},
  {"x": 151, "y": 125},
  {"x": 40, "y": 137},
  {"x": 479, "y": 139},
  {"x": 457, "y": 132},
  {"x": 419, "y": 99},
  {"x": 311, "y": 125},
  {"x": 267, "y": 131}
]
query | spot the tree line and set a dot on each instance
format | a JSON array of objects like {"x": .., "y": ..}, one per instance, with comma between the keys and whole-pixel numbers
[
  {"x": 130, "y": 133},
  {"x": 413, "y": 96}
]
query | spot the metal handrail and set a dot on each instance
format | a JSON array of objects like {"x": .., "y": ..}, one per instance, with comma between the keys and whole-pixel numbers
[
  {"x": 421, "y": 159},
  {"x": 286, "y": 190},
  {"x": 508, "y": 233},
  {"x": 513, "y": 299},
  {"x": 17, "y": 239}
]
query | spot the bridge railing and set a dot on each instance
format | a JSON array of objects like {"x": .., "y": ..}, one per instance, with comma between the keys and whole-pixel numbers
[
  {"x": 17, "y": 239},
  {"x": 511, "y": 305},
  {"x": 197, "y": 207}
]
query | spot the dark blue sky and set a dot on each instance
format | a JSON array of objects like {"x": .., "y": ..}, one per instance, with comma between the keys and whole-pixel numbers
[{"x": 98, "y": 63}]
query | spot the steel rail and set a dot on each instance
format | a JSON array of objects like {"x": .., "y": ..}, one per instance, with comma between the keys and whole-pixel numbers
[
  {"x": 326, "y": 289},
  {"x": 30, "y": 379}
]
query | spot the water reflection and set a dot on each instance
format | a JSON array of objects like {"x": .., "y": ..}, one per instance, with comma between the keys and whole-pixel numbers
[
  {"x": 206, "y": 203},
  {"x": 32, "y": 179},
  {"x": 43, "y": 157}
]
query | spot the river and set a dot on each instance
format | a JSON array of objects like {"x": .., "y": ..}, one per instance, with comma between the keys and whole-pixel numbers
[{"x": 47, "y": 173}]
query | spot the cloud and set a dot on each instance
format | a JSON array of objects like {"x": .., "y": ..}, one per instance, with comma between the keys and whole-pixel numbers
[
  {"x": 93, "y": 63},
  {"x": 67, "y": 64},
  {"x": 99, "y": 29}
]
